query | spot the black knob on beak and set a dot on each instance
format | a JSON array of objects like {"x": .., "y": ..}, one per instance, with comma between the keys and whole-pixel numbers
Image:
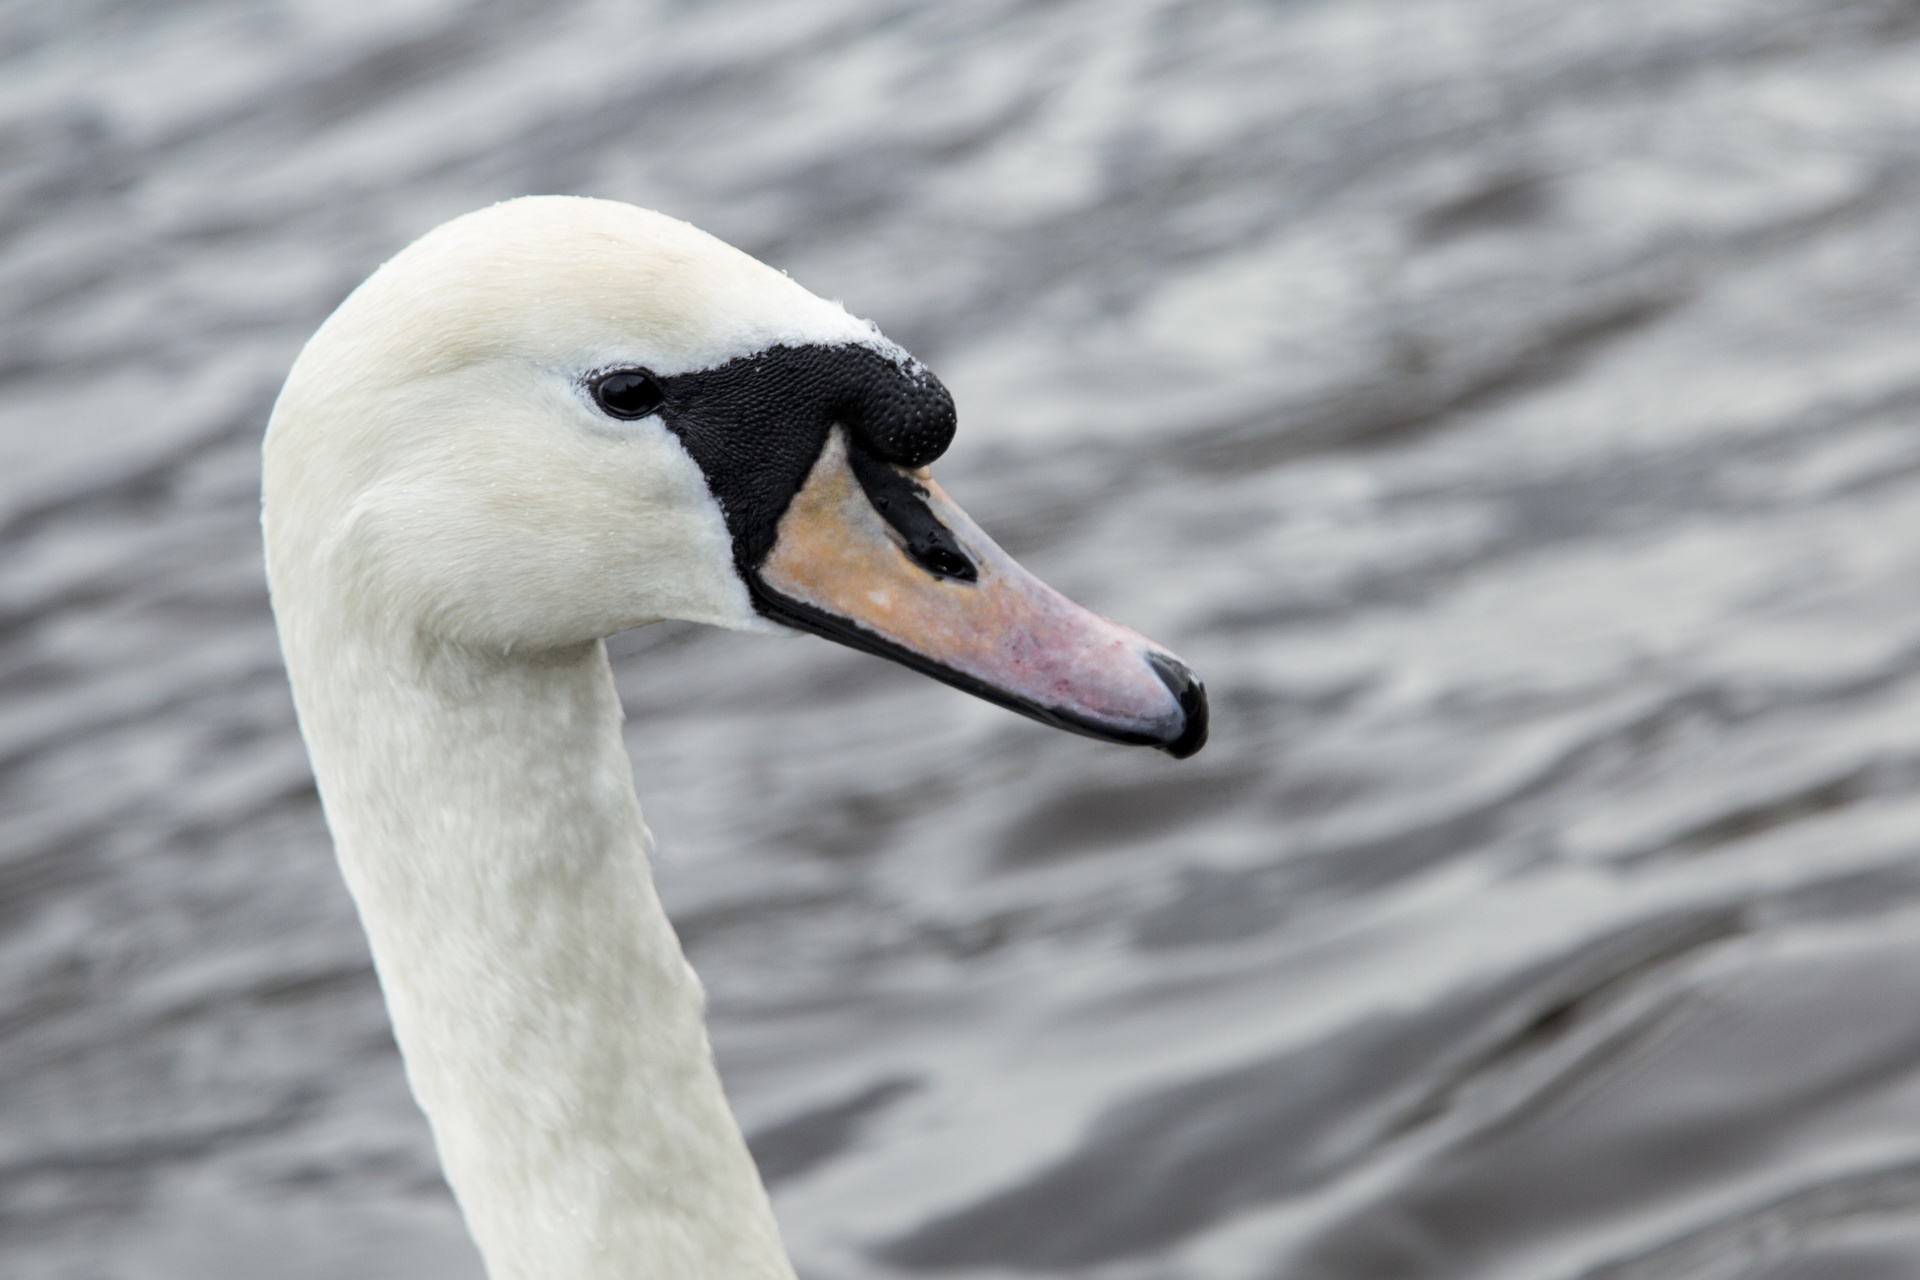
[{"x": 901, "y": 414}]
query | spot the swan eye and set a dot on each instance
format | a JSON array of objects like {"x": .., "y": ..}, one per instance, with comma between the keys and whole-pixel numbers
[{"x": 630, "y": 393}]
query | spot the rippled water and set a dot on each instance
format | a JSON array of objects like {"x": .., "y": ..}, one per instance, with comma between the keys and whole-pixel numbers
[{"x": 1511, "y": 406}]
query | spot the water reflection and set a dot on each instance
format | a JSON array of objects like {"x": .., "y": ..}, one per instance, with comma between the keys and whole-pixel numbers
[{"x": 1509, "y": 407}]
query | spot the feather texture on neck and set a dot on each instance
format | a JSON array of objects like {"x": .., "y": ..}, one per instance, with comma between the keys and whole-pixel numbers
[{"x": 485, "y": 818}]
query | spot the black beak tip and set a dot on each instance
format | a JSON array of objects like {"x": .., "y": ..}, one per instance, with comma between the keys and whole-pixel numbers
[{"x": 1192, "y": 697}]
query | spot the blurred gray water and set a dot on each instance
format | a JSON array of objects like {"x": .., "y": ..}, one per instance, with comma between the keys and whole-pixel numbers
[{"x": 1512, "y": 407}]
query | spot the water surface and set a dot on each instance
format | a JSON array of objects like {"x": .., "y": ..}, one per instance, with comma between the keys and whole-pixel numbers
[{"x": 1511, "y": 407}]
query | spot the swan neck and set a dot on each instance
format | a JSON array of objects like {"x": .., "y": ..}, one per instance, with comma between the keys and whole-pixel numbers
[{"x": 485, "y": 819}]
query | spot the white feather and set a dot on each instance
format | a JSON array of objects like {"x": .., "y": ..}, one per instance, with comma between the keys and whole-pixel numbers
[{"x": 451, "y": 528}]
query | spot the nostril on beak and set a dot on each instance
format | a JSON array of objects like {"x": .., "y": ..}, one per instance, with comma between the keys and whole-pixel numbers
[{"x": 1192, "y": 697}]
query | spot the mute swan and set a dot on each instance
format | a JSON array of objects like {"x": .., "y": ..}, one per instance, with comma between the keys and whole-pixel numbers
[{"x": 541, "y": 424}]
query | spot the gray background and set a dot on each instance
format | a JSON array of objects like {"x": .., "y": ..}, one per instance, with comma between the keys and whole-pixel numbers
[{"x": 1512, "y": 407}]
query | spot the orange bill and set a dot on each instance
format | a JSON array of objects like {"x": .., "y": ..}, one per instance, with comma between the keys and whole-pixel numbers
[{"x": 881, "y": 559}]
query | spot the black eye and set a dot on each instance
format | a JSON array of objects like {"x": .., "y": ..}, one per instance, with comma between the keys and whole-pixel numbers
[{"x": 630, "y": 393}]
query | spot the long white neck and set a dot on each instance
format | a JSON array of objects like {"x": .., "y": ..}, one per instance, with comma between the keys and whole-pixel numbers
[{"x": 484, "y": 814}]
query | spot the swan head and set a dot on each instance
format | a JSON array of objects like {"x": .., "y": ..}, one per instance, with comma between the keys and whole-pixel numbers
[{"x": 559, "y": 418}]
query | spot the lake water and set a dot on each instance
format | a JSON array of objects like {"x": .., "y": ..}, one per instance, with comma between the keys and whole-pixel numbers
[{"x": 1511, "y": 407}]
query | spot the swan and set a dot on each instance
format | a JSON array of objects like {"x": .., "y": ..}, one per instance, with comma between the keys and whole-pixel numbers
[{"x": 540, "y": 424}]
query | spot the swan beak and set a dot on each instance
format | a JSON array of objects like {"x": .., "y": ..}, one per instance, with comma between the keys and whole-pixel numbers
[{"x": 879, "y": 558}]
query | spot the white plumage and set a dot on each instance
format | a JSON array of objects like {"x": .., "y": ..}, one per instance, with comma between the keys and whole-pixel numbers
[{"x": 452, "y": 526}]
